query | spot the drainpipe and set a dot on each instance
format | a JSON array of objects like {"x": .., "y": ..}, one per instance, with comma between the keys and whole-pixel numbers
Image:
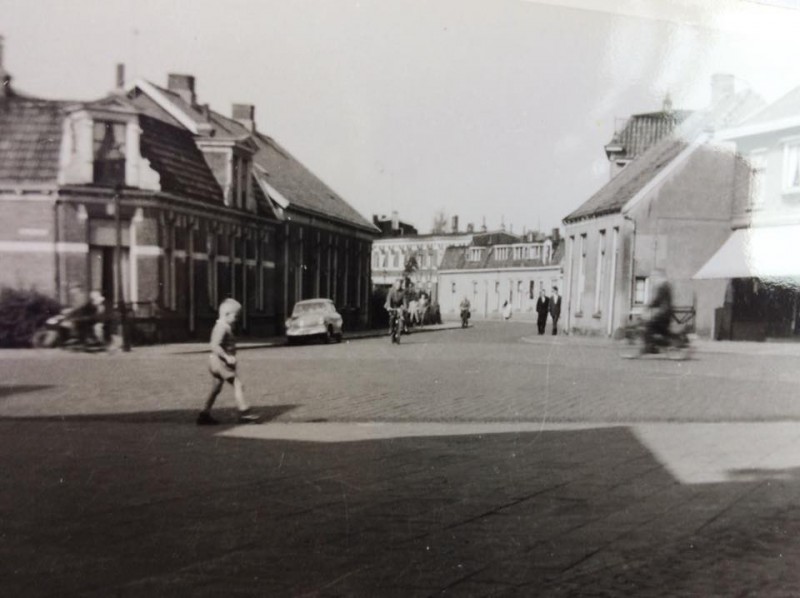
[{"x": 633, "y": 262}]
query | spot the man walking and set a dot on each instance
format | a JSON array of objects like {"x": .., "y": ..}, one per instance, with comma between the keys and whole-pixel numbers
[
  {"x": 555, "y": 309},
  {"x": 542, "y": 309}
]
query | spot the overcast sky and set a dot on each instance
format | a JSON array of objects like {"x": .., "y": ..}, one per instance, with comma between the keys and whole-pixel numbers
[{"x": 481, "y": 108}]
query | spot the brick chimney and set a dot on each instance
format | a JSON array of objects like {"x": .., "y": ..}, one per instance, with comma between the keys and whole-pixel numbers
[
  {"x": 5, "y": 77},
  {"x": 120, "y": 82},
  {"x": 183, "y": 85},
  {"x": 722, "y": 86},
  {"x": 245, "y": 115},
  {"x": 455, "y": 224}
]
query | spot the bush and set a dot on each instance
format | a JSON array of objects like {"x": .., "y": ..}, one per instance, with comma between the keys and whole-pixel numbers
[{"x": 21, "y": 313}]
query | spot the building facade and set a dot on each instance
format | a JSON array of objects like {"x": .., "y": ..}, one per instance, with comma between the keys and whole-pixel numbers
[
  {"x": 493, "y": 270},
  {"x": 758, "y": 261},
  {"x": 168, "y": 207},
  {"x": 659, "y": 218}
]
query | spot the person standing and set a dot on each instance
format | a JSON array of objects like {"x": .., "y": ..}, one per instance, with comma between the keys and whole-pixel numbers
[
  {"x": 555, "y": 309},
  {"x": 506, "y": 310},
  {"x": 542, "y": 309}
]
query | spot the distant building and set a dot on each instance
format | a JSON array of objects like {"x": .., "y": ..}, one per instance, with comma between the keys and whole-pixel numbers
[
  {"x": 758, "y": 260},
  {"x": 499, "y": 267},
  {"x": 391, "y": 226},
  {"x": 661, "y": 217},
  {"x": 391, "y": 254}
]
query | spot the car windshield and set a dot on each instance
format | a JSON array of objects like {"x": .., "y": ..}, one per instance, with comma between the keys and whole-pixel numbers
[{"x": 310, "y": 307}]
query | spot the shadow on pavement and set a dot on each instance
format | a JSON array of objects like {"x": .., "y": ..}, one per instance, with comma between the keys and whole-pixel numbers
[
  {"x": 15, "y": 389},
  {"x": 175, "y": 416},
  {"x": 101, "y": 509}
]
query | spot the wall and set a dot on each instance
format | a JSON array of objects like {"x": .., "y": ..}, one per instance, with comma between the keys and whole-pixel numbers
[{"x": 488, "y": 289}]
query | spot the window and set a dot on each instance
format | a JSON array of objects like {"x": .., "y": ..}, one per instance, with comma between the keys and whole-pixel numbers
[
  {"x": 601, "y": 258},
  {"x": 109, "y": 153},
  {"x": 453, "y": 288},
  {"x": 581, "y": 273},
  {"x": 474, "y": 287},
  {"x": 520, "y": 252},
  {"x": 396, "y": 259},
  {"x": 791, "y": 168},
  {"x": 531, "y": 289},
  {"x": 640, "y": 290},
  {"x": 475, "y": 254},
  {"x": 501, "y": 253},
  {"x": 758, "y": 167}
]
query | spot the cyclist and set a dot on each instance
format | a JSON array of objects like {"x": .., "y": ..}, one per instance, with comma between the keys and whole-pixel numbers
[
  {"x": 660, "y": 316},
  {"x": 396, "y": 304}
]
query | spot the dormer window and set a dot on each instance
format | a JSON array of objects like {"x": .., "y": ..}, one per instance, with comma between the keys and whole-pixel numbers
[
  {"x": 475, "y": 254},
  {"x": 501, "y": 253},
  {"x": 109, "y": 153}
]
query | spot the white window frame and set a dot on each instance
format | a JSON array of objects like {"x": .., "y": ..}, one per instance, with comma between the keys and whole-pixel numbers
[
  {"x": 645, "y": 290},
  {"x": 581, "y": 274},
  {"x": 791, "y": 166},
  {"x": 601, "y": 258}
]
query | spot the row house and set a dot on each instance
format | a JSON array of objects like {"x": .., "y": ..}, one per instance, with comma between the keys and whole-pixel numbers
[
  {"x": 497, "y": 268},
  {"x": 758, "y": 261},
  {"x": 168, "y": 206},
  {"x": 390, "y": 255},
  {"x": 660, "y": 217}
]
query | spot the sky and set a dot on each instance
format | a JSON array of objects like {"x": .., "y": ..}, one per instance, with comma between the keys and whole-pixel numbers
[{"x": 492, "y": 110}]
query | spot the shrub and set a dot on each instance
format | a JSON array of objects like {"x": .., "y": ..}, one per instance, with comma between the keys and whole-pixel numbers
[{"x": 21, "y": 313}]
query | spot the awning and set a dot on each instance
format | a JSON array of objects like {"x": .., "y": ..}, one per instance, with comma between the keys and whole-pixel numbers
[{"x": 759, "y": 252}]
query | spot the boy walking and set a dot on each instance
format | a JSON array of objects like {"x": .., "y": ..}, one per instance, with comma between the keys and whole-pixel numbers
[{"x": 222, "y": 365}]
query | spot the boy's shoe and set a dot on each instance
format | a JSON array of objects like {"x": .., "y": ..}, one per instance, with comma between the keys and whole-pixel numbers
[
  {"x": 205, "y": 419},
  {"x": 245, "y": 417}
]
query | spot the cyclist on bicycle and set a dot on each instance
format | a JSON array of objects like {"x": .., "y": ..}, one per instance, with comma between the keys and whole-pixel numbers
[
  {"x": 396, "y": 302},
  {"x": 660, "y": 316}
]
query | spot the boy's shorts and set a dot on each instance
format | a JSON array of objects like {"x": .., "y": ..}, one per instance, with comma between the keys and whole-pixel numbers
[{"x": 219, "y": 369}]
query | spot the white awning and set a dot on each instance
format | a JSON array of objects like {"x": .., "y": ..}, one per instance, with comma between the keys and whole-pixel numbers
[{"x": 759, "y": 252}]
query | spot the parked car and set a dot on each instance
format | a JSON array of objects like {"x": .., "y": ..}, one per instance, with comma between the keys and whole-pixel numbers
[{"x": 314, "y": 318}]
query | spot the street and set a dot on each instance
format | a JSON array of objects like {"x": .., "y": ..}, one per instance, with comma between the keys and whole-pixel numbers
[{"x": 483, "y": 462}]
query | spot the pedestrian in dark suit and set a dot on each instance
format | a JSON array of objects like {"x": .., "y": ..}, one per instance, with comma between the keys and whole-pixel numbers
[
  {"x": 555, "y": 309},
  {"x": 542, "y": 308}
]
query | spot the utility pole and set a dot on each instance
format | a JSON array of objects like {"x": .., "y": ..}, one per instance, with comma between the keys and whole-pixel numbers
[{"x": 123, "y": 316}]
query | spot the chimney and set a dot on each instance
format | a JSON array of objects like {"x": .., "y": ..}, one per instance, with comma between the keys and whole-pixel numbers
[
  {"x": 245, "y": 115},
  {"x": 483, "y": 225},
  {"x": 470, "y": 228},
  {"x": 556, "y": 236},
  {"x": 120, "y": 76},
  {"x": 5, "y": 78},
  {"x": 455, "y": 224},
  {"x": 395, "y": 221},
  {"x": 183, "y": 85},
  {"x": 722, "y": 86}
]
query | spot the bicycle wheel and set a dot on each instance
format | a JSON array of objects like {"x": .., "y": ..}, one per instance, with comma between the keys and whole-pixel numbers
[{"x": 632, "y": 344}]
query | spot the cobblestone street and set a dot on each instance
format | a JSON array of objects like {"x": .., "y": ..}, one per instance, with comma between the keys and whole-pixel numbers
[{"x": 481, "y": 462}]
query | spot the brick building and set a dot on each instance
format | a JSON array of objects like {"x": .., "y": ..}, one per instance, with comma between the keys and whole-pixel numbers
[{"x": 208, "y": 208}]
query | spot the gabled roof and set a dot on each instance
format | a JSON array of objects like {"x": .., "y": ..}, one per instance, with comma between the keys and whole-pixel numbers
[
  {"x": 641, "y": 131},
  {"x": 300, "y": 187},
  {"x": 30, "y": 138},
  {"x": 623, "y": 187},
  {"x": 781, "y": 114},
  {"x": 275, "y": 168},
  {"x": 654, "y": 162}
]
